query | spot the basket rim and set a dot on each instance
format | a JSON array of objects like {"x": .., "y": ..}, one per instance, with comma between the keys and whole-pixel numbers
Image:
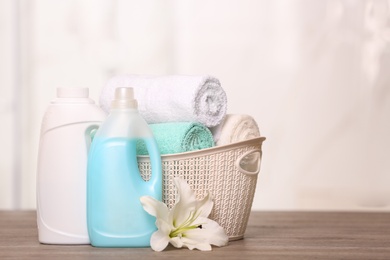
[{"x": 207, "y": 151}]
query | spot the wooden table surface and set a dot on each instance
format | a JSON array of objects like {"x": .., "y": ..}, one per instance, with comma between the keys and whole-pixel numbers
[{"x": 269, "y": 235}]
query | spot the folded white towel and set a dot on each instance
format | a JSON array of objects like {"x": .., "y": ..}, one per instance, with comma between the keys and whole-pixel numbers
[
  {"x": 174, "y": 98},
  {"x": 235, "y": 128}
]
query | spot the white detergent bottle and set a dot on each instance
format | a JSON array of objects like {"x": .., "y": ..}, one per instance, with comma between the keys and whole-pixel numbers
[
  {"x": 115, "y": 215},
  {"x": 66, "y": 131}
]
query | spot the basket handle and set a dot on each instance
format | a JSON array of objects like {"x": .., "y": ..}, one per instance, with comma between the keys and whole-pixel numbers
[{"x": 239, "y": 160}]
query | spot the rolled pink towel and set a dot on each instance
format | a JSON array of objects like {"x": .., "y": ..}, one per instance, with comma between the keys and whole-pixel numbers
[{"x": 235, "y": 128}]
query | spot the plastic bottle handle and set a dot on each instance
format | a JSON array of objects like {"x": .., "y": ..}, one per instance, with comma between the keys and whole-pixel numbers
[
  {"x": 156, "y": 178},
  {"x": 90, "y": 134}
]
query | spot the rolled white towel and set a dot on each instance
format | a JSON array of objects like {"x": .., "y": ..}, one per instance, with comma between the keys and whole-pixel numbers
[
  {"x": 235, "y": 128},
  {"x": 173, "y": 98}
]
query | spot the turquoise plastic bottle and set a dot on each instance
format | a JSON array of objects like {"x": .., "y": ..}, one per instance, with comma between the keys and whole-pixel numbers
[{"x": 115, "y": 216}]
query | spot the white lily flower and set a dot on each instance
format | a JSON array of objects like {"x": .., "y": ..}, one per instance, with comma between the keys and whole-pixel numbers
[{"x": 186, "y": 224}]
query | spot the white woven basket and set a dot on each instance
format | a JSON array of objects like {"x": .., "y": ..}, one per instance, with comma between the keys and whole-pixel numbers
[{"x": 228, "y": 172}]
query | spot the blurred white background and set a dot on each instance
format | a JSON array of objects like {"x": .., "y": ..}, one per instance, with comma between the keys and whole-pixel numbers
[{"x": 315, "y": 74}]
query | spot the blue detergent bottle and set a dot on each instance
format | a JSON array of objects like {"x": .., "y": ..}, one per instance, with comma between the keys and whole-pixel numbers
[{"x": 115, "y": 216}]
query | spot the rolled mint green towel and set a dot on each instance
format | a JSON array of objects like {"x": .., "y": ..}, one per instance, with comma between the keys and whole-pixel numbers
[{"x": 179, "y": 137}]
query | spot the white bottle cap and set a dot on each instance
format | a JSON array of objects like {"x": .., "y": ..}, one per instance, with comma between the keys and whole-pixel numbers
[
  {"x": 124, "y": 98},
  {"x": 72, "y": 92}
]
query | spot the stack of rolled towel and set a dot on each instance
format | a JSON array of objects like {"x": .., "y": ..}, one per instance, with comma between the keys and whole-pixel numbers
[{"x": 185, "y": 113}]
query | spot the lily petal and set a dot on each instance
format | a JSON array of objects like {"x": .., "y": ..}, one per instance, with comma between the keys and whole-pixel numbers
[
  {"x": 205, "y": 206},
  {"x": 185, "y": 203},
  {"x": 185, "y": 191},
  {"x": 163, "y": 226},
  {"x": 211, "y": 232},
  {"x": 192, "y": 244},
  {"x": 159, "y": 241},
  {"x": 176, "y": 242},
  {"x": 154, "y": 207}
]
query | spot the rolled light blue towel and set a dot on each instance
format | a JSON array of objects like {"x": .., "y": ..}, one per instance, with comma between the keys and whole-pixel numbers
[{"x": 179, "y": 137}]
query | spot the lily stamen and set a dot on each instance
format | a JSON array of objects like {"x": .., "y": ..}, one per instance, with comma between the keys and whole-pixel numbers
[{"x": 186, "y": 225}]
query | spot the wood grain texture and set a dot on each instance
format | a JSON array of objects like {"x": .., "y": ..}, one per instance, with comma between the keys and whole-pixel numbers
[{"x": 270, "y": 235}]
